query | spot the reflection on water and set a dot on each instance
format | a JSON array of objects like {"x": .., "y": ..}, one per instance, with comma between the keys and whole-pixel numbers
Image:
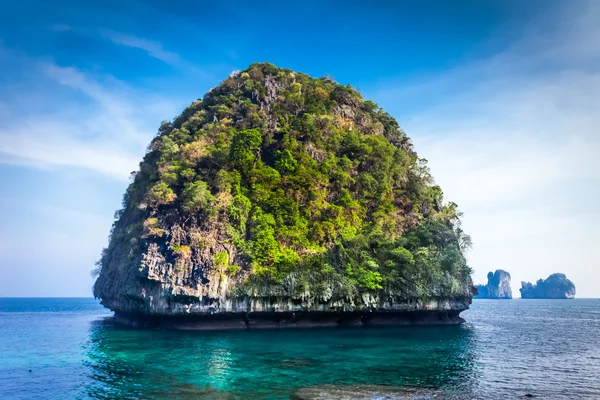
[{"x": 126, "y": 363}]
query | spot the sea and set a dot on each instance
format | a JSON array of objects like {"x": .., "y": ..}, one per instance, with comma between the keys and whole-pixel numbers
[{"x": 52, "y": 348}]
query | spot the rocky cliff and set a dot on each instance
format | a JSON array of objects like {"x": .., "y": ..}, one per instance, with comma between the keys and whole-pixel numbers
[
  {"x": 498, "y": 286},
  {"x": 283, "y": 200},
  {"x": 556, "y": 286}
]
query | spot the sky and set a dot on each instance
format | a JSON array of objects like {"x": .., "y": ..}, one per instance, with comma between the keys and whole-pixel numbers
[{"x": 501, "y": 97}]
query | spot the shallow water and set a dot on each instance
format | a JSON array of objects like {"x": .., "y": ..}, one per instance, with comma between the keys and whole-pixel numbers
[{"x": 507, "y": 348}]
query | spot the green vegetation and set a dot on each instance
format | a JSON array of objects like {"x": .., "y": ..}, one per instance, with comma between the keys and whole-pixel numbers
[
  {"x": 221, "y": 260},
  {"x": 319, "y": 192},
  {"x": 196, "y": 196}
]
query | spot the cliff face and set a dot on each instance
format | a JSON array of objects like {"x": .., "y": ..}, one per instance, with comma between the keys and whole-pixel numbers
[
  {"x": 280, "y": 194},
  {"x": 498, "y": 286},
  {"x": 556, "y": 286}
]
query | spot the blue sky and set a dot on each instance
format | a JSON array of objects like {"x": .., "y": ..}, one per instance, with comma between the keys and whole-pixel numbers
[{"x": 500, "y": 96}]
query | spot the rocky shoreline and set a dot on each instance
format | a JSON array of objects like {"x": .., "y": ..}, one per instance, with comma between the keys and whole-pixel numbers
[
  {"x": 246, "y": 312},
  {"x": 307, "y": 319},
  {"x": 356, "y": 392}
]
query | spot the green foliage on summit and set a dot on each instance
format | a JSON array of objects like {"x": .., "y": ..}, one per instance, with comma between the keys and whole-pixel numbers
[{"x": 319, "y": 190}]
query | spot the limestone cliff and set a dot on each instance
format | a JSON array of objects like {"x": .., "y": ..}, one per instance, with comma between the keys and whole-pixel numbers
[
  {"x": 498, "y": 286},
  {"x": 556, "y": 286},
  {"x": 286, "y": 199}
]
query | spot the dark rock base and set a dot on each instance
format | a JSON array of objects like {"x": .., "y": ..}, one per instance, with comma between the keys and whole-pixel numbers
[{"x": 268, "y": 320}]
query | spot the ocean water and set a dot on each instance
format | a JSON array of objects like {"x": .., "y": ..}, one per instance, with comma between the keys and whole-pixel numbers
[{"x": 69, "y": 349}]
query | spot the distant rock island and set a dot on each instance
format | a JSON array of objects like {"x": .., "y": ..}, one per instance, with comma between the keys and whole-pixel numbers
[
  {"x": 556, "y": 286},
  {"x": 498, "y": 286}
]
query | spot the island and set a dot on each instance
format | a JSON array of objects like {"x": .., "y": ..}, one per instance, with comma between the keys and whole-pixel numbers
[
  {"x": 498, "y": 286},
  {"x": 282, "y": 200},
  {"x": 556, "y": 286}
]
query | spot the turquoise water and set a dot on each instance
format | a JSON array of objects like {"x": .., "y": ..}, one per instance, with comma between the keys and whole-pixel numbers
[{"x": 507, "y": 348}]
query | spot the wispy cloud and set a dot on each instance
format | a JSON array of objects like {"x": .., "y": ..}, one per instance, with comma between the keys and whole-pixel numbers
[
  {"x": 61, "y": 28},
  {"x": 154, "y": 49},
  {"x": 101, "y": 125},
  {"x": 28, "y": 150},
  {"x": 513, "y": 139}
]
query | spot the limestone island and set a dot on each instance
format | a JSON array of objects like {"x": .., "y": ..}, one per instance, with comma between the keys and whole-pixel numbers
[
  {"x": 556, "y": 286},
  {"x": 281, "y": 200},
  {"x": 498, "y": 286}
]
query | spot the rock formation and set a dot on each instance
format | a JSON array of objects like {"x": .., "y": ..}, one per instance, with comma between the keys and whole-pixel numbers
[
  {"x": 556, "y": 286},
  {"x": 361, "y": 392},
  {"x": 498, "y": 286},
  {"x": 283, "y": 200}
]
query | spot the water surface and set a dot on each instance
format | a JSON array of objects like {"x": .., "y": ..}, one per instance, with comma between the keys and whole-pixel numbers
[{"x": 508, "y": 348}]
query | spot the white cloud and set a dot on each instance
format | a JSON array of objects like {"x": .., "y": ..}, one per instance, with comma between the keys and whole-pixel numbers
[
  {"x": 58, "y": 150},
  {"x": 101, "y": 124},
  {"x": 514, "y": 140}
]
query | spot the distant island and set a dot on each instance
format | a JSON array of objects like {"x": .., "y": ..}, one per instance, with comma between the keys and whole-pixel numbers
[
  {"x": 556, "y": 286},
  {"x": 498, "y": 286},
  {"x": 284, "y": 200}
]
